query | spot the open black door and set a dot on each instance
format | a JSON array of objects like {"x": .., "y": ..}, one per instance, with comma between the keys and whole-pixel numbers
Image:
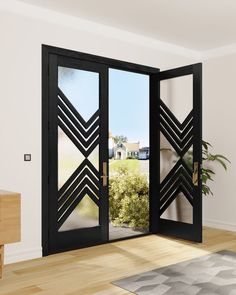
[
  {"x": 183, "y": 144},
  {"x": 77, "y": 142}
]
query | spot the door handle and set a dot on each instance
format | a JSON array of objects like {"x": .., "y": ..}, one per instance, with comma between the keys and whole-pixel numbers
[
  {"x": 104, "y": 174},
  {"x": 195, "y": 174}
]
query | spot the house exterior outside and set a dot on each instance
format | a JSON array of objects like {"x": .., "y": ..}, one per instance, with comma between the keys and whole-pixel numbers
[{"x": 127, "y": 150}]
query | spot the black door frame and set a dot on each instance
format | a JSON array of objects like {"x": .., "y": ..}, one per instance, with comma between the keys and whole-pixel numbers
[{"x": 153, "y": 121}]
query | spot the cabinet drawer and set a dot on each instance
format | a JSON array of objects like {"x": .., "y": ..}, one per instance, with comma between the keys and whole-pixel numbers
[{"x": 9, "y": 217}]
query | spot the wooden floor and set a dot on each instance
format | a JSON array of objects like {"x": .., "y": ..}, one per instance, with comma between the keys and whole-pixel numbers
[{"x": 91, "y": 270}]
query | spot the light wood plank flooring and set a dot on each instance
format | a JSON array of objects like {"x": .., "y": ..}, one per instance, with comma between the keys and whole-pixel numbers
[{"x": 91, "y": 270}]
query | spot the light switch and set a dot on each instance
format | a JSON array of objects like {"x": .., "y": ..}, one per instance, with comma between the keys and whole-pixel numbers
[{"x": 27, "y": 157}]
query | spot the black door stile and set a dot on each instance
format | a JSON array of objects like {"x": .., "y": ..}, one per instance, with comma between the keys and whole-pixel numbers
[
  {"x": 181, "y": 137},
  {"x": 154, "y": 153},
  {"x": 197, "y": 153},
  {"x": 53, "y": 167},
  {"x": 103, "y": 153}
]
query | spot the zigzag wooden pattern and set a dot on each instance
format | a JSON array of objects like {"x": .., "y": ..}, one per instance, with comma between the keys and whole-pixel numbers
[
  {"x": 180, "y": 136},
  {"x": 85, "y": 179}
]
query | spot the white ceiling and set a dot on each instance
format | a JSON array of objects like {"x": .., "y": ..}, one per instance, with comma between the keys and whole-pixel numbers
[{"x": 194, "y": 24}]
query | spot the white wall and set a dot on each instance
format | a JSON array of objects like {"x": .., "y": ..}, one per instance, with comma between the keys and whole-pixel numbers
[
  {"x": 219, "y": 121},
  {"x": 23, "y": 29}
]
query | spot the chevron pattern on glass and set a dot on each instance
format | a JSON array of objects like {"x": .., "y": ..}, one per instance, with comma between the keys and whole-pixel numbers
[
  {"x": 180, "y": 136},
  {"x": 85, "y": 135},
  {"x": 84, "y": 181}
]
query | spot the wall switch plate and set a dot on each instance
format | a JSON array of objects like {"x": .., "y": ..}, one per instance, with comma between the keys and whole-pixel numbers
[{"x": 27, "y": 157}]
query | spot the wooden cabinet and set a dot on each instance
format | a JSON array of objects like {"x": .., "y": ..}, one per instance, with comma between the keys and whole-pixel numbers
[
  {"x": 9, "y": 221},
  {"x": 1, "y": 259}
]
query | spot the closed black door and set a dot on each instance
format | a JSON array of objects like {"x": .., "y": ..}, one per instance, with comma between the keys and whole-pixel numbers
[{"x": 78, "y": 154}]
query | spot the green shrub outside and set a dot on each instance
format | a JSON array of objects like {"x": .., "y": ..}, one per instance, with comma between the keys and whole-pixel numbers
[{"x": 129, "y": 199}]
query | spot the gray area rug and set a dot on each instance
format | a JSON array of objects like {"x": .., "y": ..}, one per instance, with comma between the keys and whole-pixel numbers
[{"x": 207, "y": 275}]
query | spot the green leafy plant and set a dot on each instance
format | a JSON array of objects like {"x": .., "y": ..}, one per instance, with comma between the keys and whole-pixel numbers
[
  {"x": 119, "y": 139},
  {"x": 207, "y": 159},
  {"x": 129, "y": 199},
  {"x": 207, "y": 173}
]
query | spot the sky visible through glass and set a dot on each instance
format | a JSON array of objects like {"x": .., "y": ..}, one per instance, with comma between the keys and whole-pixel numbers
[
  {"x": 128, "y": 100},
  {"x": 129, "y": 105}
]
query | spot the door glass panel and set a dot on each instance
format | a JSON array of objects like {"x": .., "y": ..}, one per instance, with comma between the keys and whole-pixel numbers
[
  {"x": 78, "y": 157},
  {"x": 177, "y": 94},
  {"x": 69, "y": 158},
  {"x": 84, "y": 215},
  {"x": 128, "y": 154},
  {"x": 177, "y": 97},
  {"x": 94, "y": 158},
  {"x": 81, "y": 88}
]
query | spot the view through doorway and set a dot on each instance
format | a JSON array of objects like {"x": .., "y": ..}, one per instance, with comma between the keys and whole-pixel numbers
[{"x": 128, "y": 154}]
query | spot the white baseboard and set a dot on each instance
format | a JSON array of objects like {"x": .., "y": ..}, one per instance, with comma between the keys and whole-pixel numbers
[
  {"x": 22, "y": 255},
  {"x": 219, "y": 224}
]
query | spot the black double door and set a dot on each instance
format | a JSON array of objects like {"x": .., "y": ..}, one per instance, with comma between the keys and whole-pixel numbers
[{"x": 75, "y": 139}]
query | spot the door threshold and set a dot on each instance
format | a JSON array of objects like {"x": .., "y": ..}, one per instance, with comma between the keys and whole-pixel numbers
[{"x": 129, "y": 238}]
